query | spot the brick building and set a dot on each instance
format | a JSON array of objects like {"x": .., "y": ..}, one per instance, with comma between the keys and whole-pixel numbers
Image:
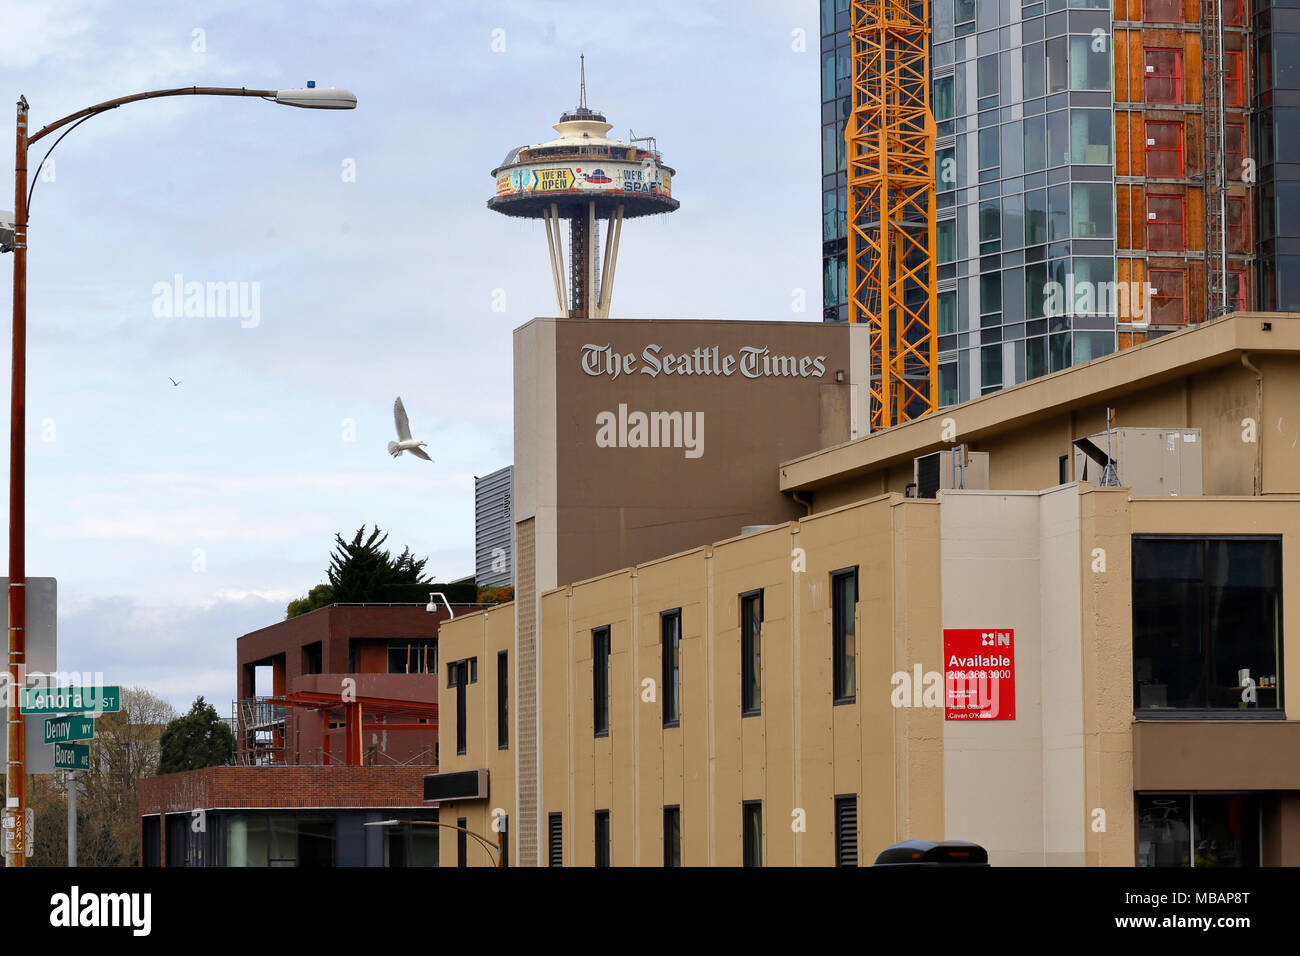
[{"x": 336, "y": 725}]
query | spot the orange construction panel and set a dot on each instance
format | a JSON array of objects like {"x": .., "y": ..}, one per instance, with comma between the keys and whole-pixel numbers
[
  {"x": 1136, "y": 66},
  {"x": 1123, "y": 223},
  {"x": 1192, "y": 68},
  {"x": 1195, "y": 218},
  {"x": 1121, "y": 66}
]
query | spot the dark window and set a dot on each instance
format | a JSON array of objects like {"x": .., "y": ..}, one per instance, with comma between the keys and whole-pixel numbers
[
  {"x": 1168, "y": 296},
  {"x": 846, "y": 830},
  {"x": 312, "y": 659},
  {"x": 602, "y": 838},
  {"x": 555, "y": 839},
  {"x": 670, "y": 628},
  {"x": 462, "y": 846},
  {"x": 844, "y": 599},
  {"x": 1165, "y": 223},
  {"x": 1198, "y": 829},
  {"x": 751, "y": 669},
  {"x": 413, "y": 657},
  {"x": 1163, "y": 82},
  {"x": 473, "y": 670},
  {"x": 503, "y": 700},
  {"x": 1164, "y": 148},
  {"x": 753, "y": 832},
  {"x": 672, "y": 836},
  {"x": 600, "y": 681},
  {"x": 1232, "y": 78},
  {"x": 1207, "y": 623},
  {"x": 459, "y": 674},
  {"x": 1063, "y": 469}
]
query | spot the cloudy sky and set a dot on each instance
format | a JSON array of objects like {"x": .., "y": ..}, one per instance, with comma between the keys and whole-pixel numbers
[{"x": 178, "y": 518}]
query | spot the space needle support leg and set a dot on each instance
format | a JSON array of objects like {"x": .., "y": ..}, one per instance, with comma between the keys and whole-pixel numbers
[
  {"x": 612, "y": 234},
  {"x": 556, "y": 249},
  {"x": 589, "y": 271}
]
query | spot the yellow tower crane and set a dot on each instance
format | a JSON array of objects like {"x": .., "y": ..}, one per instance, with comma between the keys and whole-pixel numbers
[{"x": 891, "y": 204}]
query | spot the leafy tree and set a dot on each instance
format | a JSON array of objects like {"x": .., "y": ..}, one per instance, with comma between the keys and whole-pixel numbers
[
  {"x": 198, "y": 739},
  {"x": 495, "y": 595},
  {"x": 322, "y": 595}
]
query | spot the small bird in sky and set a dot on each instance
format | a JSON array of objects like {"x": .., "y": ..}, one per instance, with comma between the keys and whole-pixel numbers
[
  {"x": 404, "y": 441},
  {"x": 172, "y": 380}
]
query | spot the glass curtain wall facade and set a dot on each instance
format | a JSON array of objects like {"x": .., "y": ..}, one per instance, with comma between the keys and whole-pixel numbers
[
  {"x": 1277, "y": 104},
  {"x": 1023, "y": 102},
  {"x": 836, "y": 85}
]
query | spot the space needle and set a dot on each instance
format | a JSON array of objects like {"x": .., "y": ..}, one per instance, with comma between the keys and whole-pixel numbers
[{"x": 587, "y": 179}]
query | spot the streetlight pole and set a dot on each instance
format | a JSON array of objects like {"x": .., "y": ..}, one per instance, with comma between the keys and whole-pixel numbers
[{"x": 329, "y": 98}]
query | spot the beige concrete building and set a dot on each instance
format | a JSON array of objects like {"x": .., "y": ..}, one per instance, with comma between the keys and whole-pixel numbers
[{"x": 800, "y": 695}]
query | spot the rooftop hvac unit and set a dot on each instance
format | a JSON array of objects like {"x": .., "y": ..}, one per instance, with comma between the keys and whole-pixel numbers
[
  {"x": 1147, "y": 461},
  {"x": 949, "y": 469}
]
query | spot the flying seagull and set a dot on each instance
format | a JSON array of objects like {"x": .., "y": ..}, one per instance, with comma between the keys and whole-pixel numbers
[
  {"x": 404, "y": 441},
  {"x": 172, "y": 380}
]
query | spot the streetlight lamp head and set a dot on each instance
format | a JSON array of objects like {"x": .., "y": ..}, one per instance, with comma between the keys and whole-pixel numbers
[{"x": 314, "y": 97}]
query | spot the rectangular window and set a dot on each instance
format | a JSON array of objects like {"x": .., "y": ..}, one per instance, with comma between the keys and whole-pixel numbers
[
  {"x": 846, "y": 830},
  {"x": 670, "y": 633},
  {"x": 600, "y": 681},
  {"x": 753, "y": 832},
  {"x": 1232, "y": 84},
  {"x": 844, "y": 601},
  {"x": 947, "y": 313},
  {"x": 1165, "y": 226},
  {"x": 1057, "y": 68},
  {"x": 1163, "y": 82},
  {"x": 1234, "y": 137},
  {"x": 1234, "y": 224},
  {"x": 1198, "y": 829},
  {"x": 1089, "y": 68},
  {"x": 462, "y": 845},
  {"x": 1090, "y": 136},
  {"x": 1238, "y": 298},
  {"x": 1164, "y": 149},
  {"x": 943, "y": 101},
  {"x": 413, "y": 656},
  {"x": 1091, "y": 206},
  {"x": 555, "y": 839},
  {"x": 503, "y": 700},
  {"x": 751, "y": 662},
  {"x": 459, "y": 673},
  {"x": 602, "y": 838},
  {"x": 313, "y": 660},
  {"x": 947, "y": 240},
  {"x": 672, "y": 836},
  {"x": 1162, "y": 11},
  {"x": 1207, "y": 623},
  {"x": 1168, "y": 296}
]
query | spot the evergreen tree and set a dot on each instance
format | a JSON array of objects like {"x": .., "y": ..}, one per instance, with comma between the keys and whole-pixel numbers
[{"x": 198, "y": 739}]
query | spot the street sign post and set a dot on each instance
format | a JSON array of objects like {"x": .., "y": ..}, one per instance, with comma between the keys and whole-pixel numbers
[
  {"x": 72, "y": 756},
  {"x": 63, "y": 700},
  {"x": 66, "y": 730}
]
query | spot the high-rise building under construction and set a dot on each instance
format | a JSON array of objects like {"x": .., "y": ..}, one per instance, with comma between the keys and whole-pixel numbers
[{"x": 1106, "y": 171}]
